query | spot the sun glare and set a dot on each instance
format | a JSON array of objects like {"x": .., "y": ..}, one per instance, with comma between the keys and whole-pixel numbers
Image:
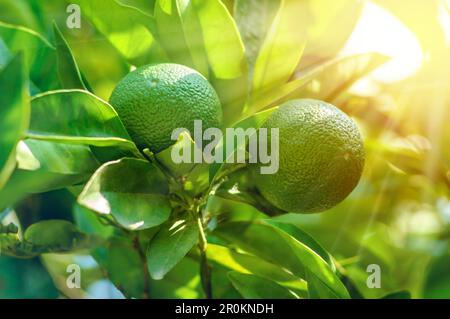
[{"x": 380, "y": 31}]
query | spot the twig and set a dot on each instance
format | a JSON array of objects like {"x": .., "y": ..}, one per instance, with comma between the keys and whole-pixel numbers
[
  {"x": 138, "y": 247},
  {"x": 152, "y": 159},
  {"x": 205, "y": 268}
]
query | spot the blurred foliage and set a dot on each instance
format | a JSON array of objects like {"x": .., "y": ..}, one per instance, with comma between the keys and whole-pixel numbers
[{"x": 398, "y": 217}]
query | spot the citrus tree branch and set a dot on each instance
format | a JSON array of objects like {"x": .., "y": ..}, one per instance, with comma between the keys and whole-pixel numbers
[{"x": 205, "y": 268}]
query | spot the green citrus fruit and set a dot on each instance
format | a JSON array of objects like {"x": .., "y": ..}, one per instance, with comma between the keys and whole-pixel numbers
[
  {"x": 153, "y": 100},
  {"x": 321, "y": 157}
]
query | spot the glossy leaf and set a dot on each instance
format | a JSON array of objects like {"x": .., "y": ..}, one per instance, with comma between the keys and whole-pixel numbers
[
  {"x": 44, "y": 166},
  {"x": 14, "y": 114},
  {"x": 245, "y": 263},
  {"x": 79, "y": 117},
  {"x": 254, "y": 121},
  {"x": 195, "y": 176},
  {"x": 253, "y": 287},
  {"x": 68, "y": 71},
  {"x": 136, "y": 202},
  {"x": 90, "y": 223},
  {"x": 170, "y": 246},
  {"x": 305, "y": 238},
  {"x": 180, "y": 33},
  {"x": 188, "y": 32},
  {"x": 282, "y": 48},
  {"x": 69, "y": 159},
  {"x": 403, "y": 294},
  {"x": 324, "y": 82},
  {"x": 278, "y": 247},
  {"x": 125, "y": 27},
  {"x": 181, "y": 282},
  {"x": 25, "y": 182},
  {"x": 184, "y": 141},
  {"x": 18, "y": 12},
  {"x": 254, "y": 18},
  {"x": 146, "y": 6},
  {"x": 39, "y": 54},
  {"x": 225, "y": 55},
  {"x": 317, "y": 289},
  {"x": 239, "y": 188}
]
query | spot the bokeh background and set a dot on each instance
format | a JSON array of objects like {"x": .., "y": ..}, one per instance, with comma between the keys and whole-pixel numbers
[{"x": 399, "y": 215}]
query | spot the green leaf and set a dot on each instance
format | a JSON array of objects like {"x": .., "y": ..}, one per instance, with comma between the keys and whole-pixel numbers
[
  {"x": 133, "y": 191},
  {"x": 195, "y": 176},
  {"x": 403, "y": 294},
  {"x": 184, "y": 141},
  {"x": 245, "y": 263},
  {"x": 125, "y": 267},
  {"x": 317, "y": 289},
  {"x": 14, "y": 114},
  {"x": 225, "y": 53},
  {"x": 305, "y": 238},
  {"x": 5, "y": 55},
  {"x": 69, "y": 159},
  {"x": 18, "y": 12},
  {"x": 170, "y": 246},
  {"x": 324, "y": 82},
  {"x": 39, "y": 54},
  {"x": 251, "y": 122},
  {"x": 44, "y": 166},
  {"x": 126, "y": 28},
  {"x": 68, "y": 71},
  {"x": 180, "y": 283},
  {"x": 24, "y": 182},
  {"x": 239, "y": 188},
  {"x": 282, "y": 48},
  {"x": 91, "y": 223},
  {"x": 188, "y": 32},
  {"x": 180, "y": 33},
  {"x": 79, "y": 117},
  {"x": 254, "y": 287},
  {"x": 254, "y": 18},
  {"x": 226, "y": 56},
  {"x": 146, "y": 6},
  {"x": 278, "y": 247}
]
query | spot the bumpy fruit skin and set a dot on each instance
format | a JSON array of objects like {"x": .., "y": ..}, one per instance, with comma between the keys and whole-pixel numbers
[
  {"x": 155, "y": 99},
  {"x": 321, "y": 157}
]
